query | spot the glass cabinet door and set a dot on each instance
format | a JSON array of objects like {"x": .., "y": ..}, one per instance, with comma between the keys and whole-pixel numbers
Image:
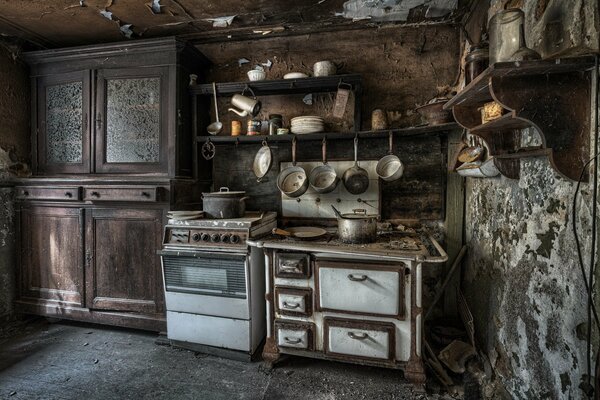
[
  {"x": 63, "y": 136},
  {"x": 130, "y": 120}
]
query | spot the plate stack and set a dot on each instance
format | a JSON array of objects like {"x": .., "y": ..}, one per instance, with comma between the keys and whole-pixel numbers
[
  {"x": 185, "y": 215},
  {"x": 307, "y": 124}
]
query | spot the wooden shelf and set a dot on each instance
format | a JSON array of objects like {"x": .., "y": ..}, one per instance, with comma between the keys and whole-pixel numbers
[
  {"x": 281, "y": 86},
  {"x": 477, "y": 91},
  {"x": 552, "y": 96},
  {"x": 404, "y": 132}
]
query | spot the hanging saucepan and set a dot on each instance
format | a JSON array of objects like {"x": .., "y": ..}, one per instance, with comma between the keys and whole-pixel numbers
[
  {"x": 356, "y": 179},
  {"x": 293, "y": 181},
  {"x": 323, "y": 179},
  {"x": 262, "y": 161},
  {"x": 356, "y": 227},
  {"x": 390, "y": 168}
]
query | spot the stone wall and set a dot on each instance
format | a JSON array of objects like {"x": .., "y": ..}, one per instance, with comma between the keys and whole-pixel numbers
[
  {"x": 14, "y": 156},
  {"x": 522, "y": 278}
]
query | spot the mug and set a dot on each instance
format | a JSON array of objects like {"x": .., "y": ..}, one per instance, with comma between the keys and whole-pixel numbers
[
  {"x": 324, "y": 68},
  {"x": 247, "y": 105}
]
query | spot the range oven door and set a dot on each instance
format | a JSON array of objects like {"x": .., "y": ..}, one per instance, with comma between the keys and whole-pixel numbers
[{"x": 206, "y": 283}]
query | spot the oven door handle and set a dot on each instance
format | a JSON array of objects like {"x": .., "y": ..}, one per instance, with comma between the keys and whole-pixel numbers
[{"x": 199, "y": 254}]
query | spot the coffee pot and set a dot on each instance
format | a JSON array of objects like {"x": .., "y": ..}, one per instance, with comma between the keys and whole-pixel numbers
[{"x": 244, "y": 105}]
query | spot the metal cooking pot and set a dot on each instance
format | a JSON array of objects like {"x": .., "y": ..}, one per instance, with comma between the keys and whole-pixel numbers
[
  {"x": 356, "y": 179},
  {"x": 323, "y": 179},
  {"x": 293, "y": 181},
  {"x": 224, "y": 204},
  {"x": 390, "y": 168},
  {"x": 356, "y": 227}
]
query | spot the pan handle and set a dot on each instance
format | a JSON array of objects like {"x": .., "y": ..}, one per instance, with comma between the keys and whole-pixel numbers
[
  {"x": 391, "y": 141},
  {"x": 355, "y": 150},
  {"x": 281, "y": 232},
  {"x": 337, "y": 213},
  {"x": 294, "y": 151},
  {"x": 324, "y": 150}
]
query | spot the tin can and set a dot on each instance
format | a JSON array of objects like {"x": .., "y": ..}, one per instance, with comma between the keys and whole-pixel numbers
[
  {"x": 254, "y": 126},
  {"x": 236, "y": 128},
  {"x": 275, "y": 122}
]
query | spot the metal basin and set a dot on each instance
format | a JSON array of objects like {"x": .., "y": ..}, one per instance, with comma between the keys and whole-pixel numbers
[{"x": 390, "y": 168}]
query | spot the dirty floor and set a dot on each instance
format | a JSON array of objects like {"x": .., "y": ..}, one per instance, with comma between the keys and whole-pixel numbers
[{"x": 66, "y": 360}]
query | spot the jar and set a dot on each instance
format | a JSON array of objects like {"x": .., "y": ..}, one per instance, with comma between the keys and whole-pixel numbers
[
  {"x": 254, "y": 126},
  {"x": 476, "y": 62},
  {"x": 236, "y": 128},
  {"x": 504, "y": 30},
  {"x": 378, "y": 120},
  {"x": 275, "y": 122}
]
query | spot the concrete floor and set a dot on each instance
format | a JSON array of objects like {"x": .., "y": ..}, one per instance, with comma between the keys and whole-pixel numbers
[{"x": 75, "y": 361}]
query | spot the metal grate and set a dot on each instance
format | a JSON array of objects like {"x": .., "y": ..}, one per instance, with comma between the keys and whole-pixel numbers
[{"x": 224, "y": 277}]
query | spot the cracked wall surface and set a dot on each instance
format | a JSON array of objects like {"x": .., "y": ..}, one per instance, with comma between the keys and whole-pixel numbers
[
  {"x": 14, "y": 156},
  {"x": 522, "y": 278}
]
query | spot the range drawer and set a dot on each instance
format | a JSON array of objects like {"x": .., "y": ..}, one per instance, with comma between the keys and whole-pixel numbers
[
  {"x": 360, "y": 339},
  {"x": 137, "y": 193},
  {"x": 292, "y": 265},
  {"x": 293, "y": 301},
  {"x": 66, "y": 193},
  {"x": 294, "y": 335},
  {"x": 360, "y": 288}
]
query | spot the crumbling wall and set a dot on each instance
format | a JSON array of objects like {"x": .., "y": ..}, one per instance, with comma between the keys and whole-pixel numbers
[
  {"x": 14, "y": 156},
  {"x": 522, "y": 278}
]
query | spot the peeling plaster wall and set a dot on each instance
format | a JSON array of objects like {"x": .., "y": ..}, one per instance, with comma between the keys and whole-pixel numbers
[
  {"x": 14, "y": 152},
  {"x": 522, "y": 278}
]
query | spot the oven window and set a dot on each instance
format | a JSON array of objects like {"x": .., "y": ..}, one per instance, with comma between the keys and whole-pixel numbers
[{"x": 222, "y": 276}]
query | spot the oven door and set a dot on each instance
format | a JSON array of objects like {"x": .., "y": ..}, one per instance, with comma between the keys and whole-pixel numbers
[{"x": 206, "y": 283}]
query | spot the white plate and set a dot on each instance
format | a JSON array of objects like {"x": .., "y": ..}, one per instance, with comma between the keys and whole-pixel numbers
[
  {"x": 300, "y": 131},
  {"x": 295, "y": 75},
  {"x": 307, "y": 118}
]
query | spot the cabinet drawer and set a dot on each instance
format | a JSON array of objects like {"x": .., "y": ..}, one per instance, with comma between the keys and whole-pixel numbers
[
  {"x": 292, "y": 265},
  {"x": 138, "y": 193},
  {"x": 360, "y": 288},
  {"x": 359, "y": 339},
  {"x": 48, "y": 193},
  {"x": 293, "y": 301},
  {"x": 294, "y": 335}
]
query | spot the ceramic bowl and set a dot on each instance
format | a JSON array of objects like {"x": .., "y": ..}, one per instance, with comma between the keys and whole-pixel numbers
[{"x": 256, "y": 75}]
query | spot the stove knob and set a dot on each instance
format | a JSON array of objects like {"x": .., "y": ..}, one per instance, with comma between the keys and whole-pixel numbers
[
  {"x": 205, "y": 237},
  {"x": 225, "y": 238},
  {"x": 196, "y": 237},
  {"x": 215, "y": 237},
  {"x": 234, "y": 239}
]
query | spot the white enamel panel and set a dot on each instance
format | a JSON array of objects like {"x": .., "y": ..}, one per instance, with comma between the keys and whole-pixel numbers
[
  {"x": 378, "y": 293},
  {"x": 296, "y": 338},
  {"x": 225, "y": 333},
  {"x": 358, "y": 342},
  {"x": 207, "y": 305}
]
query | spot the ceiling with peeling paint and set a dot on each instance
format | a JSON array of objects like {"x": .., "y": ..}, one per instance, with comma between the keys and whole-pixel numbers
[{"x": 58, "y": 23}]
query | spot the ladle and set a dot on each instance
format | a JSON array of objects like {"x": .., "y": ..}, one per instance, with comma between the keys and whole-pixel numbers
[{"x": 216, "y": 127}]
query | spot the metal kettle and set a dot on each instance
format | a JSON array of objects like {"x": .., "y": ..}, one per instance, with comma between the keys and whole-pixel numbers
[{"x": 246, "y": 105}]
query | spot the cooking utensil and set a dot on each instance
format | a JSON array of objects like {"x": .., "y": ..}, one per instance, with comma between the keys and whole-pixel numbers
[
  {"x": 262, "y": 161},
  {"x": 434, "y": 113},
  {"x": 224, "y": 204},
  {"x": 355, "y": 178},
  {"x": 454, "y": 163},
  {"x": 301, "y": 232},
  {"x": 216, "y": 127},
  {"x": 293, "y": 181},
  {"x": 356, "y": 227},
  {"x": 208, "y": 150},
  {"x": 247, "y": 105},
  {"x": 390, "y": 167},
  {"x": 472, "y": 153},
  {"x": 324, "y": 178}
]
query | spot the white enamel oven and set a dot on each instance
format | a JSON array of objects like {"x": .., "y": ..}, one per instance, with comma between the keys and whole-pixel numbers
[{"x": 215, "y": 298}]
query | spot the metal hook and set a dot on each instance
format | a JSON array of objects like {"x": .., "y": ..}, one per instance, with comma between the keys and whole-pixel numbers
[{"x": 248, "y": 88}]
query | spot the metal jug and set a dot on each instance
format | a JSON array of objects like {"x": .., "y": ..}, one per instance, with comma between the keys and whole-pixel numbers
[{"x": 246, "y": 105}]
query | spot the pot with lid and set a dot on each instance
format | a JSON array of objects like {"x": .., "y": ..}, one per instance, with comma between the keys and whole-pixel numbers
[
  {"x": 224, "y": 204},
  {"x": 356, "y": 227}
]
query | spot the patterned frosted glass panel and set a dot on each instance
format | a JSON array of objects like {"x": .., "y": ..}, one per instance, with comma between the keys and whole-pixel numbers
[
  {"x": 64, "y": 119},
  {"x": 133, "y": 120}
]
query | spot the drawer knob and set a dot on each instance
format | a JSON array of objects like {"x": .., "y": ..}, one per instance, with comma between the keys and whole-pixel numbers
[
  {"x": 291, "y": 305},
  {"x": 358, "y": 336},
  {"x": 292, "y": 340},
  {"x": 359, "y": 278},
  {"x": 68, "y": 194},
  {"x": 145, "y": 194}
]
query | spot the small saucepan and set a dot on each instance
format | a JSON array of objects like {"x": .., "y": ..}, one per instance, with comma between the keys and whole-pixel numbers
[
  {"x": 293, "y": 181},
  {"x": 323, "y": 179},
  {"x": 390, "y": 168},
  {"x": 355, "y": 178}
]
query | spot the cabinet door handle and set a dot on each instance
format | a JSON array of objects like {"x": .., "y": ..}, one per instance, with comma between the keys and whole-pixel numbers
[
  {"x": 68, "y": 194},
  {"x": 291, "y": 305},
  {"x": 292, "y": 340},
  {"x": 145, "y": 194},
  {"x": 98, "y": 121},
  {"x": 358, "y": 336},
  {"x": 360, "y": 278}
]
